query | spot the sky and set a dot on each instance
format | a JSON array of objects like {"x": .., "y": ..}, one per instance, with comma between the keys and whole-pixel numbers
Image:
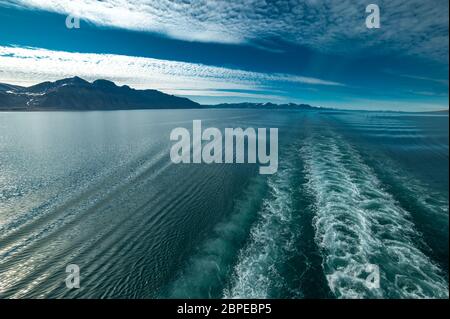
[{"x": 301, "y": 51}]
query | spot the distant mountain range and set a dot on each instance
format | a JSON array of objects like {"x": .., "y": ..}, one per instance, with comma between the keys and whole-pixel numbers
[
  {"x": 267, "y": 106},
  {"x": 79, "y": 95}
]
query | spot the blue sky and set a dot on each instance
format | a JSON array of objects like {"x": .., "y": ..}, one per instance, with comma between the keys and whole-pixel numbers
[{"x": 311, "y": 51}]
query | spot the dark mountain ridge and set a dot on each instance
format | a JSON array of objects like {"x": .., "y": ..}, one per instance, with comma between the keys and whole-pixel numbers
[
  {"x": 266, "y": 106},
  {"x": 78, "y": 94}
]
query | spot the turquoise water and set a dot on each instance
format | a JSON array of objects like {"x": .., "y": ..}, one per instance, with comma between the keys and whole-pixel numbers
[{"x": 98, "y": 189}]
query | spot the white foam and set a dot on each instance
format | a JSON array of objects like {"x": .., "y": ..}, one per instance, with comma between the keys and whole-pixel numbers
[
  {"x": 257, "y": 273},
  {"x": 358, "y": 223}
]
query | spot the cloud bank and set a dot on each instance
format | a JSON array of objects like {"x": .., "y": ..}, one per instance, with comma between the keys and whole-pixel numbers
[
  {"x": 411, "y": 27},
  {"x": 27, "y": 66}
]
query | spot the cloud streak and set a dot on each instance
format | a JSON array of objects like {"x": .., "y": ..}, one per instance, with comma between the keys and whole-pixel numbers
[
  {"x": 27, "y": 66},
  {"x": 411, "y": 27}
]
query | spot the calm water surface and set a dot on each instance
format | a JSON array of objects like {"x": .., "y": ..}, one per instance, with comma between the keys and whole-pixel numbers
[{"x": 98, "y": 189}]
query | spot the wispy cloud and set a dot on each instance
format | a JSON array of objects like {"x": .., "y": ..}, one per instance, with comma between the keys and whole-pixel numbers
[
  {"x": 424, "y": 78},
  {"x": 411, "y": 27},
  {"x": 26, "y": 66}
]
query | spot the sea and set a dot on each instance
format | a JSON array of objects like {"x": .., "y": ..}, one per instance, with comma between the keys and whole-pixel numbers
[{"x": 357, "y": 209}]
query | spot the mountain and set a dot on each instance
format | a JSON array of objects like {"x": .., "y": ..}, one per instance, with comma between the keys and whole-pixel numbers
[
  {"x": 6, "y": 87},
  {"x": 78, "y": 94},
  {"x": 264, "y": 106}
]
